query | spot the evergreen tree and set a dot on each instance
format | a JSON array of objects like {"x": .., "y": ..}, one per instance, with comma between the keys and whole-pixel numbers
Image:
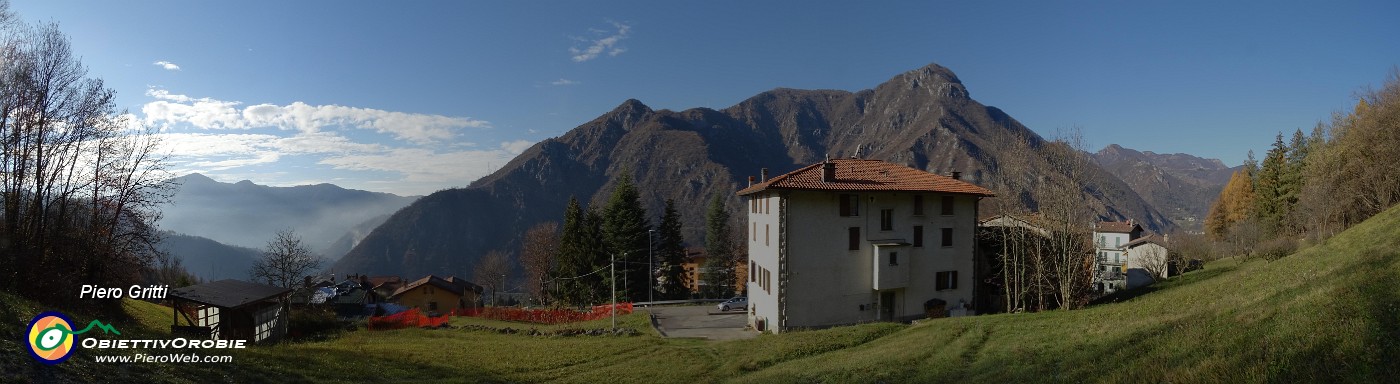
[
  {"x": 1269, "y": 188},
  {"x": 1291, "y": 182},
  {"x": 674, "y": 282},
  {"x": 625, "y": 227},
  {"x": 573, "y": 259},
  {"x": 719, "y": 251},
  {"x": 595, "y": 249}
]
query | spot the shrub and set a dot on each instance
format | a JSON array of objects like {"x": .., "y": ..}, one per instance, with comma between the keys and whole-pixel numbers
[
  {"x": 1277, "y": 248},
  {"x": 313, "y": 324}
]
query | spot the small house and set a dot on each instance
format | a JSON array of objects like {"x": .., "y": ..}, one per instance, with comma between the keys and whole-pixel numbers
[
  {"x": 438, "y": 294},
  {"x": 231, "y": 310}
]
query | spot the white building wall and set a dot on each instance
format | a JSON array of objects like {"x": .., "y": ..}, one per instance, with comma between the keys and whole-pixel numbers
[
  {"x": 762, "y": 236},
  {"x": 828, "y": 284},
  {"x": 1137, "y": 259}
]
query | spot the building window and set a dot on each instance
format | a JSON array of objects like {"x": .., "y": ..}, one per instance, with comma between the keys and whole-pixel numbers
[
  {"x": 754, "y": 236},
  {"x": 766, "y": 204},
  {"x": 1101, "y": 241},
  {"x": 947, "y": 206},
  {"x": 918, "y": 205},
  {"x": 946, "y": 280},
  {"x": 850, "y": 205},
  {"x": 432, "y": 305},
  {"x": 947, "y": 237},
  {"x": 1117, "y": 241},
  {"x": 753, "y": 272},
  {"x": 918, "y": 235},
  {"x": 765, "y": 235},
  {"x": 894, "y": 258},
  {"x": 886, "y": 219},
  {"x": 854, "y": 234}
]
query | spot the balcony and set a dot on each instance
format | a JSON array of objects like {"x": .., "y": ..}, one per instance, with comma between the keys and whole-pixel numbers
[{"x": 890, "y": 263}]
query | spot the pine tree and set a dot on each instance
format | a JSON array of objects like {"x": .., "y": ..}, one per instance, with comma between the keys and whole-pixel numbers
[
  {"x": 1269, "y": 188},
  {"x": 1291, "y": 182},
  {"x": 595, "y": 250},
  {"x": 674, "y": 282},
  {"x": 719, "y": 251},
  {"x": 573, "y": 260},
  {"x": 625, "y": 227}
]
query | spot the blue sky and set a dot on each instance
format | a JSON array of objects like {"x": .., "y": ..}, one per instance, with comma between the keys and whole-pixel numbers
[{"x": 411, "y": 97}]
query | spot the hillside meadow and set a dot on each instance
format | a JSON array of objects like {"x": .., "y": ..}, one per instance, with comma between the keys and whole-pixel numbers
[{"x": 1330, "y": 312}]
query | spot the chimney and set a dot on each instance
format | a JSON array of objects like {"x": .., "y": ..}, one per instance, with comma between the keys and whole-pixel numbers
[
  {"x": 828, "y": 171},
  {"x": 750, "y": 181},
  {"x": 763, "y": 175},
  {"x": 957, "y": 175}
]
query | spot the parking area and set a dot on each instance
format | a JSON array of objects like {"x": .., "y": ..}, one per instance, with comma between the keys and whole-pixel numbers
[{"x": 701, "y": 322}]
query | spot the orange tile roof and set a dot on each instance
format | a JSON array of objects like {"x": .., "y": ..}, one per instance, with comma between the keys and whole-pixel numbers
[
  {"x": 867, "y": 175},
  {"x": 1117, "y": 227}
]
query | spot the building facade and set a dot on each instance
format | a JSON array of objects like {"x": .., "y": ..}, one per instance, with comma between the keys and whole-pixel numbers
[
  {"x": 1109, "y": 239},
  {"x": 1146, "y": 262},
  {"x": 846, "y": 241},
  {"x": 438, "y": 294}
]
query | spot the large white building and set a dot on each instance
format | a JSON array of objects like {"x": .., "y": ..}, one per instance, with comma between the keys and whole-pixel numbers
[
  {"x": 846, "y": 241},
  {"x": 1109, "y": 239}
]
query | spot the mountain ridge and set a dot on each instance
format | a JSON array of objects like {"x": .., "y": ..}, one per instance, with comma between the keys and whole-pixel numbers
[{"x": 923, "y": 118}]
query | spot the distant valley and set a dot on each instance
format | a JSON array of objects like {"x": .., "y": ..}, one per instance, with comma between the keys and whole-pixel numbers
[{"x": 215, "y": 220}]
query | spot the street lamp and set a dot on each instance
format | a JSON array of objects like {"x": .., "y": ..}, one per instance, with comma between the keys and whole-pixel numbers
[{"x": 651, "y": 270}]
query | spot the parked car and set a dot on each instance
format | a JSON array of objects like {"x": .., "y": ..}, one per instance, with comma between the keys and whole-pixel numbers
[{"x": 738, "y": 302}]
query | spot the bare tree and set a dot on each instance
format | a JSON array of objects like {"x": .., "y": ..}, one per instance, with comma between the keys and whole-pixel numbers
[
  {"x": 1067, "y": 217},
  {"x": 78, "y": 188},
  {"x": 285, "y": 261},
  {"x": 538, "y": 257},
  {"x": 1156, "y": 261},
  {"x": 491, "y": 271},
  {"x": 1014, "y": 236}
]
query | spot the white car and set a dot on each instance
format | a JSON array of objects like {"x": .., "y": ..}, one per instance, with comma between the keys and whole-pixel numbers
[{"x": 738, "y": 302}]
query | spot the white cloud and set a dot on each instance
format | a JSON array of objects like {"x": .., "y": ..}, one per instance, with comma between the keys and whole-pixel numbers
[
  {"x": 169, "y": 66},
  {"x": 424, "y": 165},
  {"x": 608, "y": 44},
  {"x": 564, "y": 82},
  {"x": 207, "y": 113}
]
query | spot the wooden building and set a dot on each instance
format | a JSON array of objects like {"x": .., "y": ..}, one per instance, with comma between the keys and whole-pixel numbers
[{"x": 231, "y": 310}]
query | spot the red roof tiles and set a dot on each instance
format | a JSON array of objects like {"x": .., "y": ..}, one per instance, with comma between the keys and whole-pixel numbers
[
  {"x": 867, "y": 175},
  {"x": 1117, "y": 227}
]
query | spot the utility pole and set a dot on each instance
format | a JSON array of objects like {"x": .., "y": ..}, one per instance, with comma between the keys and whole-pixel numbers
[
  {"x": 651, "y": 270},
  {"x": 612, "y": 268}
]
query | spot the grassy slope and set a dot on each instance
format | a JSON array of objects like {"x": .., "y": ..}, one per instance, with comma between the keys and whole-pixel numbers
[{"x": 1328, "y": 313}]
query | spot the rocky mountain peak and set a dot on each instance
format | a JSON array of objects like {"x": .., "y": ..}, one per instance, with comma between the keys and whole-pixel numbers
[{"x": 934, "y": 79}]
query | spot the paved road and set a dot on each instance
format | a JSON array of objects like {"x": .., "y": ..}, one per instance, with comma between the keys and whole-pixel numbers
[{"x": 703, "y": 321}]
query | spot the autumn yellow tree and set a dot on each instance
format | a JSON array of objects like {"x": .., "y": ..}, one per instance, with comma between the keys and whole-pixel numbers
[{"x": 1236, "y": 204}]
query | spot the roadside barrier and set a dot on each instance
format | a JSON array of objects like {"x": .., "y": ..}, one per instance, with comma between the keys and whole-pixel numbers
[{"x": 406, "y": 319}]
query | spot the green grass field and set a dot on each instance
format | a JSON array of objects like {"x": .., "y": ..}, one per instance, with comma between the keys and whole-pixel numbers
[{"x": 1328, "y": 313}]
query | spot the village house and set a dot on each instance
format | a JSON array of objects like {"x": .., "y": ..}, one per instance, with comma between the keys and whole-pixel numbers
[
  {"x": 1146, "y": 256},
  {"x": 438, "y": 294},
  {"x": 1109, "y": 238},
  {"x": 849, "y": 240},
  {"x": 695, "y": 270}
]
